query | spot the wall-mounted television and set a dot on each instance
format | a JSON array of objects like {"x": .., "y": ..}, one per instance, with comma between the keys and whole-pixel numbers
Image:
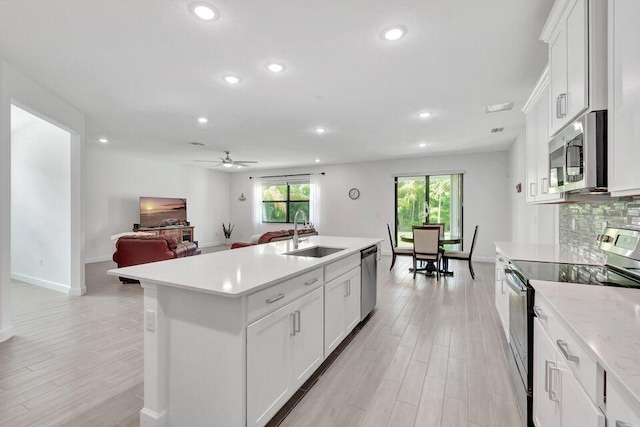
[{"x": 162, "y": 211}]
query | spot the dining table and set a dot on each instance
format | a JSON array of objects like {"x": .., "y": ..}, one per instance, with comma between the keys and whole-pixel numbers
[{"x": 447, "y": 239}]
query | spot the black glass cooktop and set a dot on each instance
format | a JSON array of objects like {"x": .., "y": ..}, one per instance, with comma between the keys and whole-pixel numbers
[{"x": 574, "y": 273}]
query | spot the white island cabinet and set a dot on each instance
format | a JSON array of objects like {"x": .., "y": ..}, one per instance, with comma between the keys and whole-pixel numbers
[{"x": 230, "y": 336}]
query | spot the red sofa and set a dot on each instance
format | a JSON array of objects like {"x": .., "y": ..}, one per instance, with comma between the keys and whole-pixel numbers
[
  {"x": 275, "y": 236},
  {"x": 134, "y": 250}
]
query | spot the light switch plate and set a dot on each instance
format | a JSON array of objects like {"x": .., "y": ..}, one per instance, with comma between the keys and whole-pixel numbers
[{"x": 150, "y": 320}]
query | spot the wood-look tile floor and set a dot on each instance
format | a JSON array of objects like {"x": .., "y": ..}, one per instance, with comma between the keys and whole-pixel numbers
[{"x": 431, "y": 355}]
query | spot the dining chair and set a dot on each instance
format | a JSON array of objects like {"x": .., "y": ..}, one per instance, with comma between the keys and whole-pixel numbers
[
  {"x": 426, "y": 247},
  {"x": 464, "y": 256},
  {"x": 395, "y": 251}
]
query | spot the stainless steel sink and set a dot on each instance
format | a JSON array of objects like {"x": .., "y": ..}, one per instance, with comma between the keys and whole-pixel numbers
[{"x": 315, "y": 251}]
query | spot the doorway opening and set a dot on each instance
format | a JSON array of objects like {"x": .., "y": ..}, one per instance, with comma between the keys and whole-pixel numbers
[{"x": 40, "y": 202}]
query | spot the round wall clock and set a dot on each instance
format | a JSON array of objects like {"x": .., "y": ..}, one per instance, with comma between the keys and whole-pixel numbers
[{"x": 354, "y": 193}]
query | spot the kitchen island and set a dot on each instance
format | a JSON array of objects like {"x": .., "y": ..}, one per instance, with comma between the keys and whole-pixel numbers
[{"x": 230, "y": 336}]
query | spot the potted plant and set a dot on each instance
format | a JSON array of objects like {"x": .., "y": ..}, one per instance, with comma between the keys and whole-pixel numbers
[{"x": 227, "y": 229}]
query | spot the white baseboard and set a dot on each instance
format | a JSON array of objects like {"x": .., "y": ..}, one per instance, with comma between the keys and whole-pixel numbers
[
  {"x": 149, "y": 418},
  {"x": 6, "y": 333},
  {"x": 78, "y": 292},
  {"x": 98, "y": 259},
  {"x": 42, "y": 283}
]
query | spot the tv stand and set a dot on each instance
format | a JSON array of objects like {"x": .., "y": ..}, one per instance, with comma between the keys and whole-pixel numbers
[{"x": 182, "y": 233}]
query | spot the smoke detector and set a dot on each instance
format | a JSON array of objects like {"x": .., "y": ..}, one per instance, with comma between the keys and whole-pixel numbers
[
  {"x": 197, "y": 144},
  {"x": 494, "y": 108},
  {"x": 497, "y": 130}
]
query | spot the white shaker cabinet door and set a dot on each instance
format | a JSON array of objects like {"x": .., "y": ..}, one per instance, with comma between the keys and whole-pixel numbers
[
  {"x": 352, "y": 309},
  {"x": 558, "y": 67},
  {"x": 308, "y": 341},
  {"x": 577, "y": 61},
  {"x": 577, "y": 409},
  {"x": 335, "y": 293},
  {"x": 546, "y": 405},
  {"x": 269, "y": 379},
  {"x": 624, "y": 97}
]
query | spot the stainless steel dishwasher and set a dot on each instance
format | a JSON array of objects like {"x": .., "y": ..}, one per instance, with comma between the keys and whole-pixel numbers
[{"x": 369, "y": 267}]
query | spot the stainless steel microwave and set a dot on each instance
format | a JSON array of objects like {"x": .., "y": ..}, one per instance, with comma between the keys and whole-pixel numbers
[{"x": 578, "y": 156}]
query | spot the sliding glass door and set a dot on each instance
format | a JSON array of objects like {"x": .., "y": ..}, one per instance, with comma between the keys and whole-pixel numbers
[{"x": 428, "y": 199}]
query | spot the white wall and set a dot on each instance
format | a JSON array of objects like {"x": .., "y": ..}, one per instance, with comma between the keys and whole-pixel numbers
[
  {"x": 529, "y": 223},
  {"x": 15, "y": 87},
  {"x": 486, "y": 201},
  {"x": 114, "y": 183},
  {"x": 40, "y": 205}
]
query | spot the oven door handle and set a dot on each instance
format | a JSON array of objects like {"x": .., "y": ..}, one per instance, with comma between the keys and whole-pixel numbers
[{"x": 517, "y": 289}]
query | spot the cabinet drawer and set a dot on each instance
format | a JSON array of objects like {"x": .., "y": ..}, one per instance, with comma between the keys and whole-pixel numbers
[
  {"x": 341, "y": 266},
  {"x": 576, "y": 356},
  {"x": 270, "y": 299}
]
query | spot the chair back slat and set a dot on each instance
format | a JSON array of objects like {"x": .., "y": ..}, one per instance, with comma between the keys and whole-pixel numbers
[
  {"x": 426, "y": 240},
  {"x": 390, "y": 237},
  {"x": 473, "y": 242},
  {"x": 440, "y": 225}
]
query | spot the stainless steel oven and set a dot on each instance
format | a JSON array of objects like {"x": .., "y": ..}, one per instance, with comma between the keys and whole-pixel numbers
[{"x": 520, "y": 340}]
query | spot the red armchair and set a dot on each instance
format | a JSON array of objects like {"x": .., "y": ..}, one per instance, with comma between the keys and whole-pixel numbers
[{"x": 134, "y": 250}]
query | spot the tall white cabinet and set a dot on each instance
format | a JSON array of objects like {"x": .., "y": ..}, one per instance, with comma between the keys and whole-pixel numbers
[
  {"x": 537, "y": 144},
  {"x": 624, "y": 97},
  {"x": 576, "y": 34}
]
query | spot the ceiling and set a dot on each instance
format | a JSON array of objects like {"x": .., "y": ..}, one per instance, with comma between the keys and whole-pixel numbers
[{"x": 143, "y": 71}]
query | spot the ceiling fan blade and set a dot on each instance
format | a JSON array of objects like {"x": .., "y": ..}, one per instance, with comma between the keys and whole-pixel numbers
[
  {"x": 208, "y": 161},
  {"x": 244, "y": 161}
]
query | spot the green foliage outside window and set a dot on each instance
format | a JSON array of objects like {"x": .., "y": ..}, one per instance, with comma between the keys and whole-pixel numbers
[{"x": 281, "y": 201}]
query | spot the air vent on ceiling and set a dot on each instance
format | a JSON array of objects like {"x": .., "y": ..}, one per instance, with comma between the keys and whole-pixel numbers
[
  {"x": 197, "y": 144},
  {"x": 497, "y": 130},
  {"x": 494, "y": 108}
]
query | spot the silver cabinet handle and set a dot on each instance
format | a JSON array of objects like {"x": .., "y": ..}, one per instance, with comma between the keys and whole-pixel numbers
[
  {"x": 346, "y": 288},
  {"x": 546, "y": 374},
  {"x": 293, "y": 319},
  {"x": 311, "y": 282},
  {"x": 532, "y": 189},
  {"x": 558, "y": 116},
  {"x": 625, "y": 424},
  {"x": 274, "y": 299},
  {"x": 553, "y": 394},
  {"x": 538, "y": 312},
  {"x": 349, "y": 287},
  {"x": 543, "y": 186},
  {"x": 297, "y": 314},
  {"x": 563, "y": 104},
  {"x": 564, "y": 349}
]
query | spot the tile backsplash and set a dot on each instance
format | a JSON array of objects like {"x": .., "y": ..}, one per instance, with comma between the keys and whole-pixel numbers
[{"x": 581, "y": 222}]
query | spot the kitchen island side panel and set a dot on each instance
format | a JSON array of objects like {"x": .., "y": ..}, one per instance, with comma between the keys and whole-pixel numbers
[{"x": 203, "y": 345}]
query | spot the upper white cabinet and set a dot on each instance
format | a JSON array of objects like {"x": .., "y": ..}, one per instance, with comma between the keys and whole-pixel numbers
[
  {"x": 576, "y": 34},
  {"x": 624, "y": 97},
  {"x": 537, "y": 144}
]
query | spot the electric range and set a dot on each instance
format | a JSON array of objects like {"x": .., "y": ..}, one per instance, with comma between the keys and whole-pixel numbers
[{"x": 622, "y": 248}]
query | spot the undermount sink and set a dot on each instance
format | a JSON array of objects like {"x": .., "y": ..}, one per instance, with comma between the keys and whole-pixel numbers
[{"x": 315, "y": 251}]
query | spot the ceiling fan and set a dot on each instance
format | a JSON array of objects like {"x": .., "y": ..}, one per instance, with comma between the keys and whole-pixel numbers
[{"x": 228, "y": 162}]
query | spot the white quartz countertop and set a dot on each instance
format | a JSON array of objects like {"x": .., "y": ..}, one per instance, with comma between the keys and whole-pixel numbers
[
  {"x": 245, "y": 270},
  {"x": 607, "y": 319},
  {"x": 544, "y": 253}
]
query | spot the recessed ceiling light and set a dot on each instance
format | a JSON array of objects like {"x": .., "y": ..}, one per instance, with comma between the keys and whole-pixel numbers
[
  {"x": 317, "y": 160},
  {"x": 204, "y": 11},
  {"x": 275, "y": 67},
  {"x": 203, "y": 120},
  {"x": 232, "y": 80},
  {"x": 423, "y": 144},
  {"x": 320, "y": 130},
  {"x": 504, "y": 106},
  {"x": 103, "y": 140},
  {"x": 424, "y": 114},
  {"x": 394, "y": 33}
]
